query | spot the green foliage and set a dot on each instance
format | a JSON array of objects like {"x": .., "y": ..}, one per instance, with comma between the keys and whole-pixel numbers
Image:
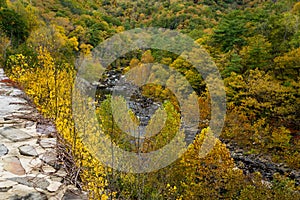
[
  {"x": 14, "y": 26},
  {"x": 3, "y": 4},
  {"x": 235, "y": 65},
  {"x": 231, "y": 32},
  {"x": 256, "y": 55},
  {"x": 73, "y": 6}
]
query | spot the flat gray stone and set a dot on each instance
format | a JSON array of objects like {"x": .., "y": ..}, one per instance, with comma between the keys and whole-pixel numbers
[
  {"x": 54, "y": 186},
  {"x": 3, "y": 150},
  {"x": 45, "y": 129},
  {"x": 27, "y": 150},
  {"x": 34, "y": 182},
  {"x": 8, "y": 120},
  {"x": 56, "y": 179},
  {"x": 17, "y": 126},
  {"x": 6, "y": 106},
  {"x": 30, "y": 124},
  {"x": 48, "y": 142},
  {"x": 74, "y": 195},
  {"x": 30, "y": 196},
  {"x": 61, "y": 173},
  {"x": 48, "y": 169},
  {"x": 5, "y": 186},
  {"x": 49, "y": 157},
  {"x": 14, "y": 135}
]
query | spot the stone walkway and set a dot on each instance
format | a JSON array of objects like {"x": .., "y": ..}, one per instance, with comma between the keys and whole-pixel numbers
[{"x": 29, "y": 164}]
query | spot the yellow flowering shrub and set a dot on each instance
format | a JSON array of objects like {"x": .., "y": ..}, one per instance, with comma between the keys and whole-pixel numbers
[{"x": 50, "y": 87}]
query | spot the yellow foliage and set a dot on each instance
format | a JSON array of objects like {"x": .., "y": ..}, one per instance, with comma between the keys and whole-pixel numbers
[
  {"x": 86, "y": 49},
  {"x": 50, "y": 88},
  {"x": 74, "y": 43},
  {"x": 214, "y": 171},
  {"x": 296, "y": 8}
]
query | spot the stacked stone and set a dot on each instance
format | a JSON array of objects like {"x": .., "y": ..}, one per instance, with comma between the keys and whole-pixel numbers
[{"x": 29, "y": 167}]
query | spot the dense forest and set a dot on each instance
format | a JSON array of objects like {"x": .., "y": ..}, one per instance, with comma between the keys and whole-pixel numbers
[{"x": 254, "y": 43}]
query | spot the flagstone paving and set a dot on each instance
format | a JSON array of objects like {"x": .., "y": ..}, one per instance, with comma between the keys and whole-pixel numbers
[{"x": 29, "y": 166}]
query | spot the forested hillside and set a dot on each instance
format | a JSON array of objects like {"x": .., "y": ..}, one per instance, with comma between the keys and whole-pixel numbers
[{"x": 255, "y": 45}]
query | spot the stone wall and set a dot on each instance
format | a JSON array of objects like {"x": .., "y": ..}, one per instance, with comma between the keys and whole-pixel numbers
[{"x": 30, "y": 167}]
